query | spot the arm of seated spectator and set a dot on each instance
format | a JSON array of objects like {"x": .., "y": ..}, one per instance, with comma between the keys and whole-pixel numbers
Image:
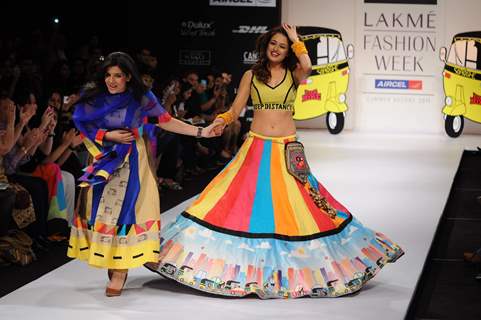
[
  {"x": 16, "y": 157},
  {"x": 26, "y": 113},
  {"x": 46, "y": 146},
  {"x": 62, "y": 148}
]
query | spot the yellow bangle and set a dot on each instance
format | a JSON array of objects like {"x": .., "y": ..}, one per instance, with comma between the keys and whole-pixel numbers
[
  {"x": 227, "y": 116},
  {"x": 299, "y": 48}
]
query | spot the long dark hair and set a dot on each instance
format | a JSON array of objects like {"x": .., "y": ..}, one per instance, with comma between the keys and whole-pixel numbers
[
  {"x": 127, "y": 65},
  {"x": 260, "y": 69}
]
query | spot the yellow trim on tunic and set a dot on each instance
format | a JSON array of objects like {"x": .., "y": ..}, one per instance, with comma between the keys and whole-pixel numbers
[
  {"x": 145, "y": 248},
  {"x": 101, "y": 246},
  {"x": 91, "y": 147},
  {"x": 102, "y": 173}
]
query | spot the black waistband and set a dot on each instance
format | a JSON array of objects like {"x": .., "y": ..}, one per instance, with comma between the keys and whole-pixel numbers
[{"x": 244, "y": 234}]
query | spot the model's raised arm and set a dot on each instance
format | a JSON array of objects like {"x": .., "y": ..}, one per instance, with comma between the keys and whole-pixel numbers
[{"x": 304, "y": 67}]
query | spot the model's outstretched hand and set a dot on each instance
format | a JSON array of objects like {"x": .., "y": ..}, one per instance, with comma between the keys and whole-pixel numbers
[
  {"x": 219, "y": 125},
  {"x": 291, "y": 32},
  {"x": 214, "y": 129}
]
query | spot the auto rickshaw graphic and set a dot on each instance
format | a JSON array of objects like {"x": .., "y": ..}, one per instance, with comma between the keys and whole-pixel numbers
[
  {"x": 461, "y": 80},
  {"x": 324, "y": 91}
]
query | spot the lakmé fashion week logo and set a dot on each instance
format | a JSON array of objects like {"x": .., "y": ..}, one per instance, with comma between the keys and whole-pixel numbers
[
  {"x": 399, "y": 39},
  {"x": 395, "y": 51}
]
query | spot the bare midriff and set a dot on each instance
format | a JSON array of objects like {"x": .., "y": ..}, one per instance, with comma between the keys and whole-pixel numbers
[{"x": 273, "y": 123}]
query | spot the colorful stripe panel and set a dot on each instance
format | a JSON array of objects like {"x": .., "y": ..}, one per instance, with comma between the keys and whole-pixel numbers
[
  {"x": 256, "y": 194},
  {"x": 262, "y": 216},
  {"x": 229, "y": 212}
]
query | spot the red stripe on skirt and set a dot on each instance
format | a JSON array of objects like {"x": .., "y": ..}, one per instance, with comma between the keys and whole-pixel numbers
[
  {"x": 324, "y": 223},
  {"x": 233, "y": 211}
]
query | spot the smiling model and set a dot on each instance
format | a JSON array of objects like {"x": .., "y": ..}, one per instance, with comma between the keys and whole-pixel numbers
[
  {"x": 117, "y": 224},
  {"x": 265, "y": 225}
]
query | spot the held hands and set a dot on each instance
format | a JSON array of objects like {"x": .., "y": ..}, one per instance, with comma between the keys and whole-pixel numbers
[
  {"x": 214, "y": 129},
  {"x": 219, "y": 125},
  {"x": 120, "y": 136},
  {"x": 291, "y": 32}
]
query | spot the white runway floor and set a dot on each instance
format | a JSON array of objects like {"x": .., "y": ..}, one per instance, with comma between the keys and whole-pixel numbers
[{"x": 394, "y": 184}]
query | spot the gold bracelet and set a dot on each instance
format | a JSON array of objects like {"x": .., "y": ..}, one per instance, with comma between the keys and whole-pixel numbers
[
  {"x": 227, "y": 116},
  {"x": 299, "y": 48}
]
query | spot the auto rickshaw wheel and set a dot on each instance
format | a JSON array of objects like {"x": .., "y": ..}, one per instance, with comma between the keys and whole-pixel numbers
[
  {"x": 335, "y": 122},
  {"x": 454, "y": 125}
]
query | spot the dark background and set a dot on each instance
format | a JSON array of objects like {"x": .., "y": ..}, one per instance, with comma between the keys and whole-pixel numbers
[{"x": 130, "y": 26}]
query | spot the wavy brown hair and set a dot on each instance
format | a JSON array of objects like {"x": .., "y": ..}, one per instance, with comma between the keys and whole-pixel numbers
[{"x": 260, "y": 69}]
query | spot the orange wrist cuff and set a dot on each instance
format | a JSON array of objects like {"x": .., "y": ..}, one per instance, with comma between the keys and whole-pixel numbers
[
  {"x": 299, "y": 48},
  {"x": 227, "y": 116}
]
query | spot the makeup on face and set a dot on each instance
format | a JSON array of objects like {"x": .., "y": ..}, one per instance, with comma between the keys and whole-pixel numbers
[
  {"x": 278, "y": 47},
  {"x": 116, "y": 80}
]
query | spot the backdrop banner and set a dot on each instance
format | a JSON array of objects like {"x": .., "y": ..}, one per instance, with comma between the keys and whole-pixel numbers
[{"x": 398, "y": 68}]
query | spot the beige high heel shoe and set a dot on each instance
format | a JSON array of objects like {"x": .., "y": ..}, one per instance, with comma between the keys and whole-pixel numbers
[{"x": 113, "y": 292}]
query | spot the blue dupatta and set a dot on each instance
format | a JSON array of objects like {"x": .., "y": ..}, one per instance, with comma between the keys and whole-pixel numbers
[{"x": 90, "y": 118}]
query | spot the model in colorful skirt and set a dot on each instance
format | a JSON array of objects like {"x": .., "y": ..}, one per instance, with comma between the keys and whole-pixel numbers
[
  {"x": 265, "y": 225},
  {"x": 117, "y": 225}
]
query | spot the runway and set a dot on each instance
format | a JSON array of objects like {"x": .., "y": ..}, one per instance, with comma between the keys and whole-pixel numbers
[{"x": 395, "y": 184}]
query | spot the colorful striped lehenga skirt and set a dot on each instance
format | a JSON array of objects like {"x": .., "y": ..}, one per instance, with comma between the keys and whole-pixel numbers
[{"x": 257, "y": 228}]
